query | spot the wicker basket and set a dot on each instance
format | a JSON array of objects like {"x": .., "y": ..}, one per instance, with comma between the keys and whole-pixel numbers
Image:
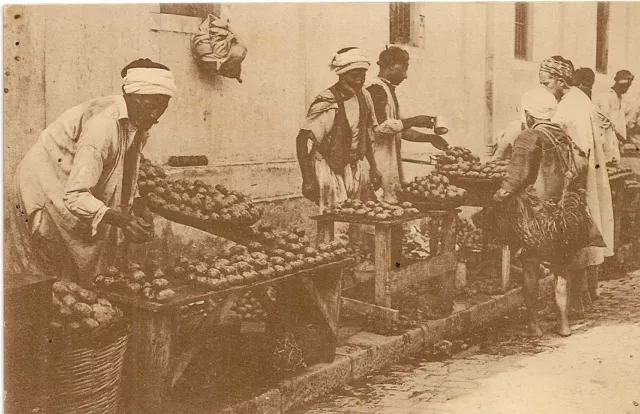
[{"x": 86, "y": 372}]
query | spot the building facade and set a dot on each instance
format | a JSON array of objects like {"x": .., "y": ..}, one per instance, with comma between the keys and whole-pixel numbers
[{"x": 470, "y": 62}]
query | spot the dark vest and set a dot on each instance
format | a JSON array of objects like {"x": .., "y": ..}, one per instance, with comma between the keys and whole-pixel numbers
[{"x": 336, "y": 147}]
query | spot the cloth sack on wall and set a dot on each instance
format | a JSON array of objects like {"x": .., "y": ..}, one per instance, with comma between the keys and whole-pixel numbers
[{"x": 217, "y": 49}]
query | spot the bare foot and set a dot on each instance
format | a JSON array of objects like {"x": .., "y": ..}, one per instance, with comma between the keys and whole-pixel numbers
[{"x": 563, "y": 331}]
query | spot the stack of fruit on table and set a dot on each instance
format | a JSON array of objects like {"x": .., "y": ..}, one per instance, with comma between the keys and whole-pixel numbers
[
  {"x": 457, "y": 155},
  {"x": 492, "y": 170},
  {"x": 78, "y": 310},
  {"x": 615, "y": 171},
  {"x": 434, "y": 190},
  {"x": 371, "y": 210},
  {"x": 249, "y": 308},
  {"x": 242, "y": 266},
  {"x": 199, "y": 204},
  {"x": 188, "y": 160},
  {"x": 134, "y": 281},
  {"x": 469, "y": 237}
]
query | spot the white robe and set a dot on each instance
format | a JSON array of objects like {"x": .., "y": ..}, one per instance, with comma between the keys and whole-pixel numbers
[
  {"x": 84, "y": 163},
  {"x": 577, "y": 116}
]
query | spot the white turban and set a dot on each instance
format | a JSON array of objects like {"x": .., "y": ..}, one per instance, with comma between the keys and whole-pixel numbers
[
  {"x": 349, "y": 60},
  {"x": 540, "y": 103},
  {"x": 149, "y": 81}
]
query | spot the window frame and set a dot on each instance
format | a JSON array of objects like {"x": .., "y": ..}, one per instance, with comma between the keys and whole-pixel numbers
[
  {"x": 603, "y": 18},
  {"x": 522, "y": 50},
  {"x": 176, "y": 23},
  {"x": 412, "y": 38}
]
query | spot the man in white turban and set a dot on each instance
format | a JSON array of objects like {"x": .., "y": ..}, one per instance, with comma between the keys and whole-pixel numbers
[
  {"x": 340, "y": 126},
  {"x": 75, "y": 191},
  {"x": 540, "y": 158}
]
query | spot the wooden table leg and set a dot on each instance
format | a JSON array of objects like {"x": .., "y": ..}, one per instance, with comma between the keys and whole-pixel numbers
[
  {"x": 325, "y": 291},
  {"x": 397, "y": 236},
  {"x": 618, "y": 194},
  {"x": 326, "y": 231},
  {"x": 506, "y": 268},
  {"x": 383, "y": 266},
  {"x": 447, "y": 279},
  {"x": 150, "y": 347}
]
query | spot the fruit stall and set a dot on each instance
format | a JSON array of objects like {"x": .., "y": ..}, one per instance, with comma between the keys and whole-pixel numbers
[
  {"x": 394, "y": 272},
  {"x": 481, "y": 181},
  {"x": 176, "y": 304}
]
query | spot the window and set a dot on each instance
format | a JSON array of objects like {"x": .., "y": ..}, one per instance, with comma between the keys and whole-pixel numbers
[
  {"x": 400, "y": 23},
  {"x": 602, "y": 38},
  {"x": 201, "y": 10},
  {"x": 522, "y": 28}
]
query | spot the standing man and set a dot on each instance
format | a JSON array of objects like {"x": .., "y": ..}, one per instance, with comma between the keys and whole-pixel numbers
[
  {"x": 340, "y": 126},
  {"x": 74, "y": 189},
  {"x": 610, "y": 105},
  {"x": 577, "y": 117},
  {"x": 392, "y": 129}
]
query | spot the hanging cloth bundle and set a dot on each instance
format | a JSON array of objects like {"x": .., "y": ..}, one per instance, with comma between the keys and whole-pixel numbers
[{"x": 217, "y": 49}]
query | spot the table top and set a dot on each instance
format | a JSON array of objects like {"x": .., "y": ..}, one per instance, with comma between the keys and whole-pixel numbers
[
  {"x": 190, "y": 293},
  {"x": 374, "y": 222}
]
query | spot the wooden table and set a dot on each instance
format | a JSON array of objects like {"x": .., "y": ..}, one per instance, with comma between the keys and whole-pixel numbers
[
  {"x": 392, "y": 272},
  {"x": 617, "y": 198},
  {"x": 154, "y": 361},
  {"x": 27, "y": 311}
]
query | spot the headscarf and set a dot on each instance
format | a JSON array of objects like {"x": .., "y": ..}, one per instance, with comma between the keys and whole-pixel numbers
[
  {"x": 149, "y": 81},
  {"x": 623, "y": 76},
  {"x": 540, "y": 103},
  {"x": 562, "y": 69},
  {"x": 349, "y": 59}
]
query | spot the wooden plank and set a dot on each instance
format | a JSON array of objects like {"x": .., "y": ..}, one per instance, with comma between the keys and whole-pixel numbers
[
  {"x": 363, "y": 308},
  {"x": 150, "y": 351},
  {"x": 382, "y": 265},
  {"x": 447, "y": 286},
  {"x": 506, "y": 268},
  {"x": 325, "y": 308},
  {"x": 448, "y": 242},
  {"x": 207, "y": 327},
  {"x": 421, "y": 270},
  {"x": 370, "y": 222}
]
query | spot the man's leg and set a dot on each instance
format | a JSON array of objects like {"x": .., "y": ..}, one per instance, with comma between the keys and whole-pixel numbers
[
  {"x": 562, "y": 299},
  {"x": 575, "y": 292},
  {"x": 592, "y": 281},
  {"x": 530, "y": 288}
]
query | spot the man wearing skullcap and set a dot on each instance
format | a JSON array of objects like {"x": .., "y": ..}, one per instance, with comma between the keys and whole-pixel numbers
[
  {"x": 340, "y": 126},
  {"x": 75, "y": 191},
  {"x": 578, "y": 118},
  {"x": 540, "y": 155},
  {"x": 610, "y": 105},
  {"x": 583, "y": 79},
  {"x": 392, "y": 128}
]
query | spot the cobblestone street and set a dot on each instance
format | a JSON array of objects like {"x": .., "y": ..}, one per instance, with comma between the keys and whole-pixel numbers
[{"x": 596, "y": 370}]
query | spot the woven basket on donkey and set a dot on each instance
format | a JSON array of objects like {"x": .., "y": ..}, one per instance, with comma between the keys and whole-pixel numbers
[
  {"x": 86, "y": 372},
  {"x": 551, "y": 231}
]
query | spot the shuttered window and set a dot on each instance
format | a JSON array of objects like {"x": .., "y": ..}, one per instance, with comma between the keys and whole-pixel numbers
[
  {"x": 201, "y": 10},
  {"x": 400, "y": 22},
  {"x": 522, "y": 28},
  {"x": 602, "y": 37}
]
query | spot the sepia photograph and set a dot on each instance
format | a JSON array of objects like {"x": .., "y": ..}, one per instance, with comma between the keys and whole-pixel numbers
[{"x": 322, "y": 208}]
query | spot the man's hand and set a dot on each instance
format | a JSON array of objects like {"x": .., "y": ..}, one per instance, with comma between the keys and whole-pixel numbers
[
  {"x": 376, "y": 178},
  {"x": 620, "y": 137},
  {"x": 501, "y": 195},
  {"x": 439, "y": 142},
  {"x": 141, "y": 209},
  {"x": 420, "y": 121},
  {"x": 311, "y": 189},
  {"x": 137, "y": 230}
]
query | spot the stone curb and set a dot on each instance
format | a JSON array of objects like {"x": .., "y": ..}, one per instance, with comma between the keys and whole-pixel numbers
[{"x": 367, "y": 352}]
